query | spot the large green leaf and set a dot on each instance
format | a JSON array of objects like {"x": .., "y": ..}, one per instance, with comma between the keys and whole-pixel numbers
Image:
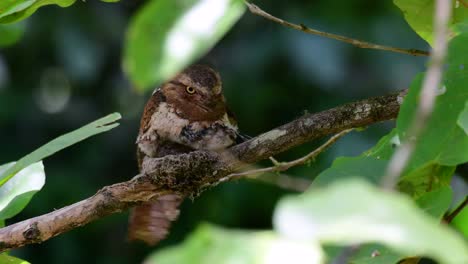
[
  {"x": 210, "y": 244},
  {"x": 17, "y": 192},
  {"x": 166, "y": 36},
  {"x": 419, "y": 14},
  {"x": 443, "y": 141},
  {"x": 7, "y": 259},
  {"x": 352, "y": 212},
  {"x": 99, "y": 126}
]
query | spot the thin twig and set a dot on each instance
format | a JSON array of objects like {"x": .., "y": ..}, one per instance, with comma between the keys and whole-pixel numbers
[
  {"x": 283, "y": 166},
  {"x": 449, "y": 218},
  {"x": 284, "y": 181},
  {"x": 358, "y": 43},
  {"x": 428, "y": 95}
]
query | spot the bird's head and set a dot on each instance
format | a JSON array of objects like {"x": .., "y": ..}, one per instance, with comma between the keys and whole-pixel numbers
[{"x": 196, "y": 94}]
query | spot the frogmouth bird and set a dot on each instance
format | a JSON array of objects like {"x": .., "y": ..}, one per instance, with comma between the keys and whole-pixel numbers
[{"x": 185, "y": 114}]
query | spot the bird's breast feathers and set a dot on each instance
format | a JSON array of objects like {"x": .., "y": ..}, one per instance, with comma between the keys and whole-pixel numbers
[{"x": 166, "y": 125}]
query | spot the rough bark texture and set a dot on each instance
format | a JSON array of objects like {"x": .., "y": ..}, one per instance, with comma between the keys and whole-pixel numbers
[{"x": 168, "y": 174}]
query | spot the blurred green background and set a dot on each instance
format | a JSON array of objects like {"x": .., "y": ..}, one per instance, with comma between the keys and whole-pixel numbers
[{"x": 66, "y": 71}]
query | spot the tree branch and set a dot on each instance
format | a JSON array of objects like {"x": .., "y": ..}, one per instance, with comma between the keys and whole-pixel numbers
[
  {"x": 169, "y": 174},
  {"x": 358, "y": 43}
]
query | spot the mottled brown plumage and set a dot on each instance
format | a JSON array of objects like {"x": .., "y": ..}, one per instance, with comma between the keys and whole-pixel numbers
[{"x": 187, "y": 113}]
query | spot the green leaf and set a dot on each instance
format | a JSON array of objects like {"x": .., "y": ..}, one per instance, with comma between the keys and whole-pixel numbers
[
  {"x": 460, "y": 222},
  {"x": 368, "y": 168},
  {"x": 463, "y": 119},
  {"x": 367, "y": 254},
  {"x": 419, "y": 14},
  {"x": 17, "y": 192},
  {"x": 99, "y": 126},
  {"x": 375, "y": 254},
  {"x": 15, "y": 10},
  {"x": 461, "y": 27},
  {"x": 437, "y": 202},
  {"x": 443, "y": 141},
  {"x": 370, "y": 165},
  {"x": 8, "y": 7},
  {"x": 385, "y": 147},
  {"x": 209, "y": 244},
  {"x": 6, "y": 259},
  {"x": 443, "y": 144},
  {"x": 353, "y": 212},
  {"x": 10, "y": 34},
  {"x": 166, "y": 36},
  {"x": 431, "y": 176}
]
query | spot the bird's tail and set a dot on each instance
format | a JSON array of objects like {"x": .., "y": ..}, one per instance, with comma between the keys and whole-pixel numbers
[{"x": 151, "y": 221}]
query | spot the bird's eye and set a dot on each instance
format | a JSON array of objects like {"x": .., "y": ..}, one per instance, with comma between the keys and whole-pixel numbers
[{"x": 190, "y": 90}]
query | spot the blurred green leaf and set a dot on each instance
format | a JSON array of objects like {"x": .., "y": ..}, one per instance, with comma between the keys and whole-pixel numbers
[
  {"x": 11, "y": 33},
  {"x": 419, "y": 14},
  {"x": 209, "y": 244},
  {"x": 16, "y": 10},
  {"x": 99, "y": 126},
  {"x": 8, "y": 7},
  {"x": 166, "y": 36},
  {"x": 6, "y": 259},
  {"x": 17, "y": 192},
  {"x": 353, "y": 212},
  {"x": 463, "y": 119}
]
